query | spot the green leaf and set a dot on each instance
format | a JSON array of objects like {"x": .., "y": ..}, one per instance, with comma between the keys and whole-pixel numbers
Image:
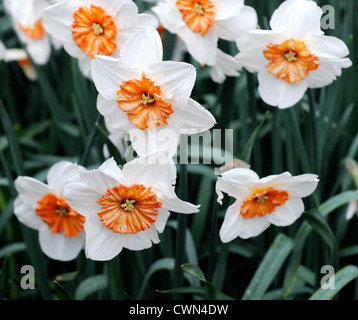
[
  {"x": 62, "y": 293},
  {"x": 12, "y": 248},
  {"x": 337, "y": 201},
  {"x": 162, "y": 264},
  {"x": 91, "y": 285},
  {"x": 194, "y": 271},
  {"x": 341, "y": 278},
  {"x": 115, "y": 279},
  {"x": 269, "y": 267}
]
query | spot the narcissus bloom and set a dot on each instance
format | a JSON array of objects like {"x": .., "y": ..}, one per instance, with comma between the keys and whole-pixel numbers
[
  {"x": 89, "y": 28},
  {"x": 27, "y": 21},
  {"x": 147, "y": 97},
  {"x": 42, "y": 207},
  {"x": 294, "y": 55},
  {"x": 276, "y": 199},
  {"x": 125, "y": 208},
  {"x": 201, "y": 23}
]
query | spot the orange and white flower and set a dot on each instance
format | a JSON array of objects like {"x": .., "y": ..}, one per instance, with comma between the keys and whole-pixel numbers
[
  {"x": 275, "y": 199},
  {"x": 96, "y": 27},
  {"x": 27, "y": 21},
  {"x": 42, "y": 207},
  {"x": 140, "y": 92},
  {"x": 201, "y": 23},
  {"x": 294, "y": 55},
  {"x": 128, "y": 207}
]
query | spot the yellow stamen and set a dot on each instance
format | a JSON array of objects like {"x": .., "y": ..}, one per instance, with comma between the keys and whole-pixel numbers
[
  {"x": 128, "y": 205},
  {"x": 97, "y": 28},
  {"x": 147, "y": 99},
  {"x": 198, "y": 8},
  {"x": 291, "y": 56},
  {"x": 62, "y": 211}
]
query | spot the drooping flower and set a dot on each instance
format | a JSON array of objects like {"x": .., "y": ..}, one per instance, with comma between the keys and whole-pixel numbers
[
  {"x": 147, "y": 97},
  {"x": 125, "y": 208},
  {"x": 275, "y": 199},
  {"x": 294, "y": 55},
  {"x": 27, "y": 22},
  {"x": 201, "y": 23},
  {"x": 90, "y": 28},
  {"x": 42, "y": 207}
]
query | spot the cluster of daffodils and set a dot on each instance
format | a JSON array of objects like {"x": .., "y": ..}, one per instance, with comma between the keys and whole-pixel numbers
[{"x": 110, "y": 208}]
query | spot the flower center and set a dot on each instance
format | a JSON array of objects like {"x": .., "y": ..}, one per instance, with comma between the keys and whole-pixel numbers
[
  {"x": 35, "y": 31},
  {"x": 93, "y": 31},
  {"x": 262, "y": 202},
  {"x": 59, "y": 216},
  {"x": 197, "y": 14},
  {"x": 97, "y": 28},
  {"x": 128, "y": 209},
  {"x": 290, "y": 61},
  {"x": 142, "y": 101}
]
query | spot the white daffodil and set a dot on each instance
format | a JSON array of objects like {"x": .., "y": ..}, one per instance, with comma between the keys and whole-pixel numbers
[
  {"x": 201, "y": 23},
  {"x": 294, "y": 55},
  {"x": 147, "y": 97},
  {"x": 125, "y": 208},
  {"x": 89, "y": 28},
  {"x": 27, "y": 22},
  {"x": 42, "y": 207},
  {"x": 275, "y": 199}
]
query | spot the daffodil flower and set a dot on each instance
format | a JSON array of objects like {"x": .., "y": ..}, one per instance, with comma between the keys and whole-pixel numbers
[
  {"x": 294, "y": 55},
  {"x": 275, "y": 199},
  {"x": 147, "y": 97},
  {"x": 201, "y": 23},
  {"x": 42, "y": 207},
  {"x": 27, "y": 22},
  {"x": 128, "y": 207},
  {"x": 90, "y": 28}
]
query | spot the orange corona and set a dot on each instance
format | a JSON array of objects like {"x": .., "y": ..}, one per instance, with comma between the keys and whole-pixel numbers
[
  {"x": 197, "y": 14},
  {"x": 263, "y": 201},
  {"x": 35, "y": 31},
  {"x": 58, "y": 215},
  {"x": 93, "y": 31},
  {"x": 128, "y": 209},
  {"x": 142, "y": 101},
  {"x": 290, "y": 61}
]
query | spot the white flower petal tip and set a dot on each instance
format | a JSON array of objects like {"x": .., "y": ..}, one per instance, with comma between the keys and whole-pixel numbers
[
  {"x": 128, "y": 207},
  {"x": 294, "y": 56},
  {"x": 200, "y": 25},
  {"x": 43, "y": 207},
  {"x": 87, "y": 29},
  {"x": 275, "y": 199}
]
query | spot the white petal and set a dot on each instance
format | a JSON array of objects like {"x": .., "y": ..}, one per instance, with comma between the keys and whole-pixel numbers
[
  {"x": 26, "y": 214},
  {"x": 236, "y": 182},
  {"x": 286, "y": 214},
  {"x": 193, "y": 119},
  {"x": 300, "y": 17},
  {"x": 150, "y": 170},
  {"x": 114, "y": 7},
  {"x": 278, "y": 92},
  {"x": 58, "y": 18},
  {"x": 303, "y": 185},
  {"x": 176, "y": 80},
  {"x": 108, "y": 73},
  {"x": 84, "y": 64},
  {"x": 225, "y": 9},
  {"x": 59, "y": 247},
  {"x": 111, "y": 169},
  {"x": 74, "y": 50},
  {"x": 31, "y": 190},
  {"x": 328, "y": 46},
  {"x": 229, "y": 29},
  {"x": 170, "y": 200},
  {"x": 225, "y": 65},
  {"x": 162, "y": 219},
  {"x": 235, "y": 225},
  {"x": 60, "y": 173},
  {"x": 143, "y": 48},
  {"x": 169, "y": 17},
  {"x": 141, "y": 240},
  {"x": 101, "y": 243},
  {"x": 39, "y": 50},
  {"x": 117, "y": 119}
]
